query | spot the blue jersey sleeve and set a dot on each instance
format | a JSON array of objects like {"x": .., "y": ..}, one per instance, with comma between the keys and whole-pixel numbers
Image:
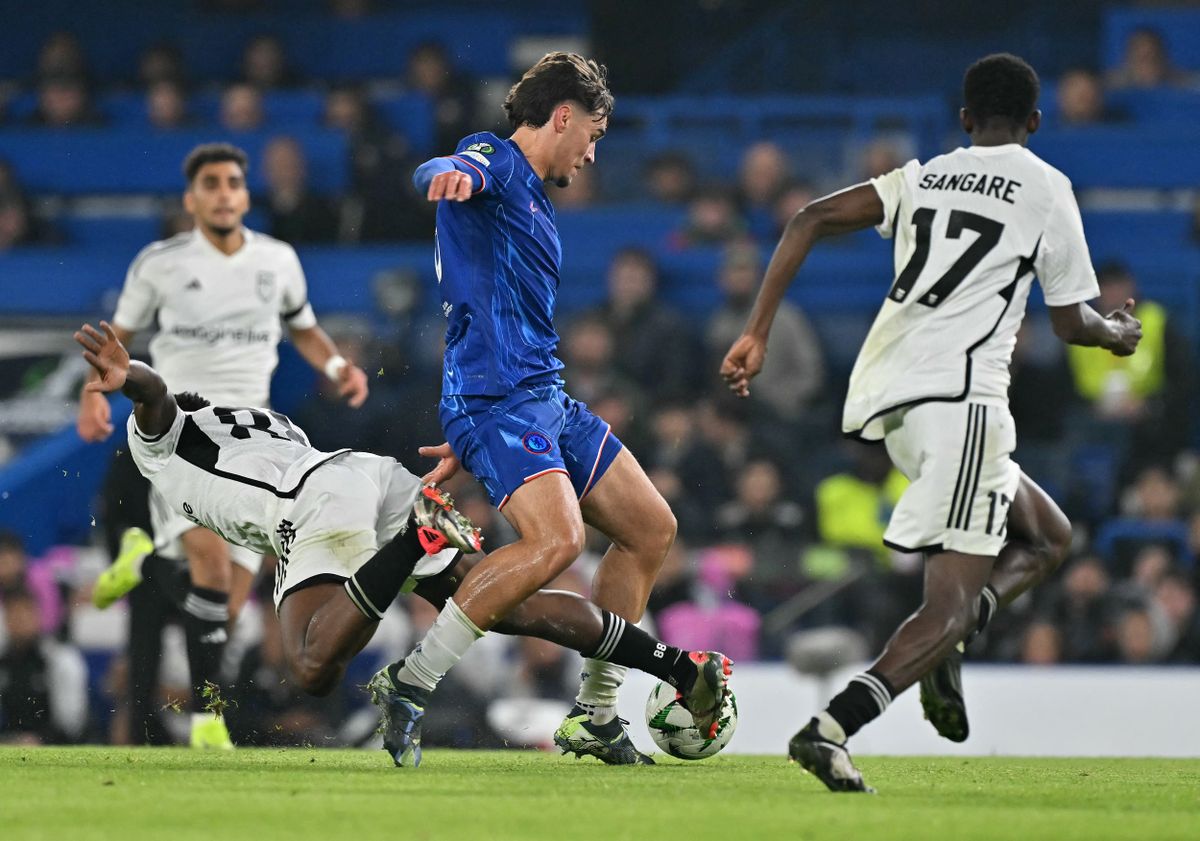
[{"x": 482, "y": 156}]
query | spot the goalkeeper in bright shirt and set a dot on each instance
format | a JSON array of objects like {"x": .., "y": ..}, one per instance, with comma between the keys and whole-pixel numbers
[{"x": 547, "y": 463}]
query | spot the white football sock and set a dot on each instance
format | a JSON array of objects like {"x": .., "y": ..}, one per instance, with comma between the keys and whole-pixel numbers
[
  {"x": 441, "y": 647},
  {"x": 829, "y": 728},
  {"x": 599, "y": 682}
]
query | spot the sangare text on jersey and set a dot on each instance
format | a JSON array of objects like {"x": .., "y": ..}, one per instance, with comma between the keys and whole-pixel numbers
[
  {"x": 228, "y": 469},
  {"x": 497, "y": 259},
  {"x": 218, "y": 314},
  {"x": 970, "y": 229}
]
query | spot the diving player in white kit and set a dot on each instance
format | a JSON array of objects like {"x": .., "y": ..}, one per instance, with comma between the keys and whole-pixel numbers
[
  {"x": 351, "y": 530},
  {"x": 219, "y": 294}
]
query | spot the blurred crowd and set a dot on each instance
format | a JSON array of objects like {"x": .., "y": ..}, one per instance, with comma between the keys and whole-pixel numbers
[
  {"x": 380, "y": 204},
  {"x": 780, "y": 520}
]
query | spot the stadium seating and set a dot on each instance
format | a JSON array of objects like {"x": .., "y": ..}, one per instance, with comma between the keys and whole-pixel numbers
[
  {"x": 1179, "y": 27},
  {"x": 124, "y": 161}
]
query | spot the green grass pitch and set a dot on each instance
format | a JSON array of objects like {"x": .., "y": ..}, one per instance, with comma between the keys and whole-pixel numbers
[{"x": 175, "y": 794}]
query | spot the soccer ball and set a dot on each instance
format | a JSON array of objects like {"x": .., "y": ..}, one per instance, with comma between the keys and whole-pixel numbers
[{"x": 673, "y": 730}]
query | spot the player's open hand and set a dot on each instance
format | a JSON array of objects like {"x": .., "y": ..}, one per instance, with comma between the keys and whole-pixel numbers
[
  {"x": 446, "y": 467},
  {"x": 95, "y": 417},
  {"x": 450, "y": 186},
  {"x": 743, "y": 363},
  {"x": 105, "y": 353},
  {"x": 352, "y": 385},
  {"x": 1128, "y": 330}
]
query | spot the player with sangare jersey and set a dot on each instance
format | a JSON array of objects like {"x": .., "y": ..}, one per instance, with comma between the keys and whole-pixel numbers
[
  {"x": 545, "y": 460},
  {"x": 219, "y": 294},
  {"x": 351, "y": 530},
  {"x": 971, "y": 229}
]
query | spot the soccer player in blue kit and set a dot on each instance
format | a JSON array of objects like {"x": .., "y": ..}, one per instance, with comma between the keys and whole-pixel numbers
[{"x": 547, "y": 463}]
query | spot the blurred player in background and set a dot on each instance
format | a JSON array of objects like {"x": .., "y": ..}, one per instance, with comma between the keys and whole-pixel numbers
[
  {"x": 351, "y": 530},
  {"x": 546, "y": 462},
  {"x": 218, "y": 293},
  {"x": 972, "y": 227}
]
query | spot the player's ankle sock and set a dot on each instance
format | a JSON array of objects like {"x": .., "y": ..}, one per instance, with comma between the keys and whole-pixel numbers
[
  {"x": 988, "y": 605},
  {"x": 441, "y": 647},
  {"x": 377, "y": 583},
  {"x": 864, "y": 699},
  {"x": 169, "y": 576},
  {"x": 598, "y": 685},
  {"x": 628, "y": 645},
  {"x": 206, "y": 613}
]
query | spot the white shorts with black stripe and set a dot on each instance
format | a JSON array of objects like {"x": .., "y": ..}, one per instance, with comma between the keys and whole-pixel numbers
[
  {"x": 348, "y": 508},
  {"x": 958, "y": 458}
]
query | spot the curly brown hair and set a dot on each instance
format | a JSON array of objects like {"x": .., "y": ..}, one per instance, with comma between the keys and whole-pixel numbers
[{"x": 557, "y": 78}]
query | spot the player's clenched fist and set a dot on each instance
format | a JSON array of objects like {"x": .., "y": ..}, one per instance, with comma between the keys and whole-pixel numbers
[
  {"x": 450, "y": 186},
  {"x": 743, "y": 362},
  {"x": 1128, "y": 330}
]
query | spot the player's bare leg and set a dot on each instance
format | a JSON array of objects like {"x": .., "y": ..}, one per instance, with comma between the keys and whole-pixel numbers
[
  {"x": 241, "y": 582},
  {"x": 626, "y": 507},
  {"x": 206, "y": 620},
  {"x": 546, "y": 515},
  {"x": 323, "y": 629},
  {"x": 953, "y": 583},
  {"x": 548, "y": 518},
  {"x": 1039, "y": 539}
]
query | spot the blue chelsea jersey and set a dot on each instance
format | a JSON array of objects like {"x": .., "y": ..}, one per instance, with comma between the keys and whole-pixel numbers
[{"x": 497, "y": 258}]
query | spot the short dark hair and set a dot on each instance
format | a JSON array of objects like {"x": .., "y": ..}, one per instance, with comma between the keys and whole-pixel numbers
[
  {"x": 213, "y": 153},
  {"x": 557, "y": 78},
  {"x": 1001, "y": 86},
  {"x": 190, "y": 401}
]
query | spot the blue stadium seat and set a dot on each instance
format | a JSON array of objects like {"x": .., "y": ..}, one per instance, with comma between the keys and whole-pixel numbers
[
  {"x": 1179, "y": 27},
  {"x": 1123, "y": 156},
  {"x": 412, "y": 115},
  {"x": 1159, "y": 106},
  {"x": 281, "y": 109},
  {"x": 116, "y": 234},
  {"x": 89, "y": 161},
  {"x": 1172, "y": 534}
]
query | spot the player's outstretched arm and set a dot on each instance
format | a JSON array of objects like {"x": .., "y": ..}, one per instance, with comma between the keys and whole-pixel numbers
[
  {"x": 319, "y": 351},
  {"x": 154, "y": 405},
  {"x": 851, "y": 209},
  {"x": 1078, "y": 324},
  {"x": 446, "y": 179},
  {"x": 94, "y": 422}
]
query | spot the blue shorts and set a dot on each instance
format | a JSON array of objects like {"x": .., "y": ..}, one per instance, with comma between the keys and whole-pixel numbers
[{"x": 507, "y": 441}]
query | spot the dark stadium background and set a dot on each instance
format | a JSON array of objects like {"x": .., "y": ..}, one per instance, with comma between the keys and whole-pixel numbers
[{"x": 730, "y": 114}]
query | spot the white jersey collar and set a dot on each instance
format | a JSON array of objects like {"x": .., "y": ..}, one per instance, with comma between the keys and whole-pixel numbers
[
  {"x": 247, "y": 237},
  {"x": 994, "y": 150}
]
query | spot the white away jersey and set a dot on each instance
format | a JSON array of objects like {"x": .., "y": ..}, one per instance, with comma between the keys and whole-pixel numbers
[
  {"x": 228, "y": 469},
  {"x": 218, "y": 315},
  {"x": 970, "y": 229}
]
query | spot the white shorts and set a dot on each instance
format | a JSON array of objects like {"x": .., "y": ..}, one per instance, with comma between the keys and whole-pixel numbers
[
  {"x": 169, "y": 526},
  {"x": 348, "y": 508},
  {"x": 957, "y": 456}
]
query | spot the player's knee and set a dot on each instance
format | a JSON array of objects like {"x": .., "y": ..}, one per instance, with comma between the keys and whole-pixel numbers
[
  {"x": 654, "y": 537},
  {"x": 951, "y": 623},
  {"x": 562, "y": 549},
  {"x": 210, "y": 569},
  {"x": 1053, "y": 540},
  {"x": 314, "y": 677},
  {"x": 666, "y": 527}
]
